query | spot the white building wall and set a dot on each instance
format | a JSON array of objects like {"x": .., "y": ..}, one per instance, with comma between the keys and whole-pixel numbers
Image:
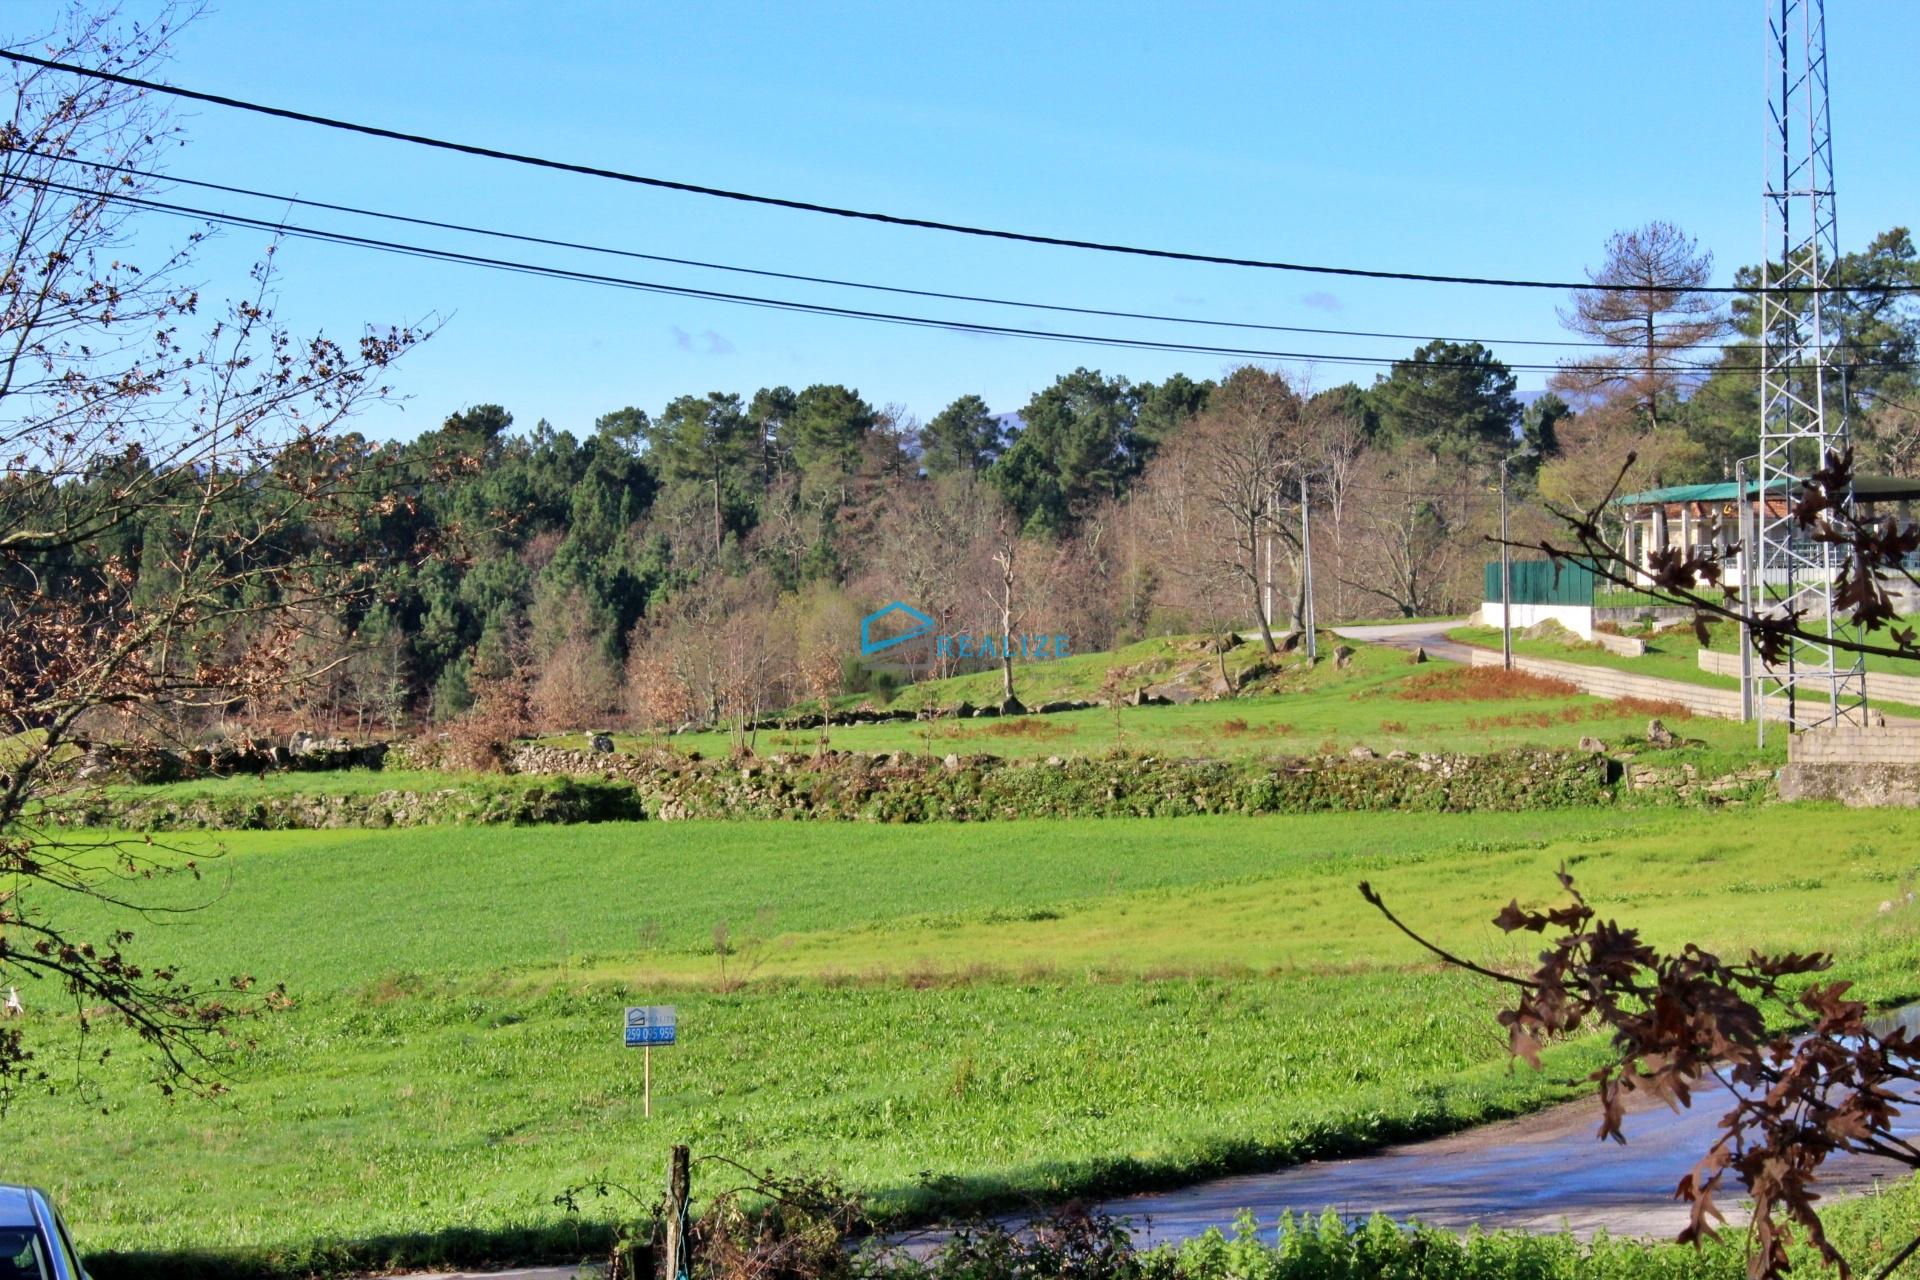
[{"x": 1577, "y": 618}]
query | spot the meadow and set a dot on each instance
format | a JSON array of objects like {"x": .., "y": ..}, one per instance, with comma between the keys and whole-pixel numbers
[
  {"x": 944, "y": 1016},
  {"x": 1379, "y": 700}
]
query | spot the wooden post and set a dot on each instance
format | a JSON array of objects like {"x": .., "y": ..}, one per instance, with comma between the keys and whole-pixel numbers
[{"x": 678, "y": 1190}]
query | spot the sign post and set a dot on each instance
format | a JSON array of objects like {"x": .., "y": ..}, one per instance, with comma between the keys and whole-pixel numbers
[{"x": 646, "y": 1026}]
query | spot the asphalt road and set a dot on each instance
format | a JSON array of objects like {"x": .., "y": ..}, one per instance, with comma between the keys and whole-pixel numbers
[{"x": 1542, "y": 1172}]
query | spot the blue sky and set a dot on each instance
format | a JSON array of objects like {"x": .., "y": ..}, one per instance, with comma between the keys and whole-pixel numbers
[{"x": 1497, "y": 139}]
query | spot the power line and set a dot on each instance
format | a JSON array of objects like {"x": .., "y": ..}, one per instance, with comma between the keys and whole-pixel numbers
[
  {"x": 811, "y": 308},
  {"x": 807, "y": 206},
  {"x": 549, "y": 242},
  {"x": 836, "y": 282}
]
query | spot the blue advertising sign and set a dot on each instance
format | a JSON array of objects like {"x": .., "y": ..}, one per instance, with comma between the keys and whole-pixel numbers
[{"x": 650, "y": 1024}]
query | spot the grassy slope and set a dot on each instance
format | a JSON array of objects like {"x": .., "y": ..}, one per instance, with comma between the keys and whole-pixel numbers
[
  {"x": 1159, "y": 999},
  {"x": 1325, "y": 709}
]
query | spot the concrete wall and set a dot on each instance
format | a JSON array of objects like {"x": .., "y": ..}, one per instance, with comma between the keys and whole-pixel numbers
[
  {"x": 1625, "y": 646},
  {"x": 1858, "y": 786},
  {"x": 1893, "y": 688},
  {"x": 1860, "y": 768},
  {"x": 1893, "y": 744},
  {"x": 1574, "y": 617}
]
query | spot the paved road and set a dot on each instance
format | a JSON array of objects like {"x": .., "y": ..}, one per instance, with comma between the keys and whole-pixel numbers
[
  {"x": 1387, "y": 633},
  {"x": 1538, "y": 1173}
]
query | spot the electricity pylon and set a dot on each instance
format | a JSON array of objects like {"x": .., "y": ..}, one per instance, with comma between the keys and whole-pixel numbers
[{"x": 1803, "y": 412}]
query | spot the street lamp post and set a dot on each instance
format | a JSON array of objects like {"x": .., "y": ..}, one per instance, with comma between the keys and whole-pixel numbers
[{"x": 1506, "y": 563}]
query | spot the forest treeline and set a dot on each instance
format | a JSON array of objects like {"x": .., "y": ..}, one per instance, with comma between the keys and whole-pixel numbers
[{"x": 704, "y": 559}]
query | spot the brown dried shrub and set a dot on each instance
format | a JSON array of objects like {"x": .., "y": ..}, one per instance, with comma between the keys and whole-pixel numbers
[
  {"x": 1481, "y": 684},
  {"x": 1652, "y": 708}
]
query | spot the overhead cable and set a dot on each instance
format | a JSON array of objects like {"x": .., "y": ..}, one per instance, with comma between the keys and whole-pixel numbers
[
  {"x": 813, "y": 308},
  {"x": 808, "y": 206},
  {"x": 836, "y": 282}
]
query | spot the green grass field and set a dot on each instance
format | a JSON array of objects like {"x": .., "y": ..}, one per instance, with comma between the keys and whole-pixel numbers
[
  {"x": 1378, "y": 701},
  {"x": 942, "y": 1015}
]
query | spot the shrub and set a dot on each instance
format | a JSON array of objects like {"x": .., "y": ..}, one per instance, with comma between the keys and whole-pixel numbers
[{"x": 1481, "y": 684}]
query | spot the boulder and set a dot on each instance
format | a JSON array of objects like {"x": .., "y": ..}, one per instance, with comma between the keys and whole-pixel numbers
[
  {"x": 1012, "y": 706},
  {"x": 1418, "y": 655},
  {"x": 1362, "y": 753},
  {"x": 1658, "y": 735},
  {"x": 602, "y": 744},
  {"x": 1343, "y": 656},
  {"x": 1591, "y": 743},
  {"x": 1551, "y": 631}
]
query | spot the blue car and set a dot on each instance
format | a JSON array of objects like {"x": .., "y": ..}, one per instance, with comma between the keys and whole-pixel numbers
[{"x": 34, "y": 1244}]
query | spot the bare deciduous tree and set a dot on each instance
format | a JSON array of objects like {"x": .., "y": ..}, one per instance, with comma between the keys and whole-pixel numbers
[
  {"x": 1240, "y": 460},
  {"x": 121, "y": 410},
  {"x": 1414, "y": 520}
]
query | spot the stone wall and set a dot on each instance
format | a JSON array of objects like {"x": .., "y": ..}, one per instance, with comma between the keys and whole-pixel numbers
[
  {"x": 517, "y": 802},
  {"x": 905, "y": 787}
]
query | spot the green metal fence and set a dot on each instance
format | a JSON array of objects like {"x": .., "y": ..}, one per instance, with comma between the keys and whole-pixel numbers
[{"x": 1544, "y": 582}]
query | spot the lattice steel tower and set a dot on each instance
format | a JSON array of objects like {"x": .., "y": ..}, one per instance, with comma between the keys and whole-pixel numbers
[{"x": 1803, "y": 412}]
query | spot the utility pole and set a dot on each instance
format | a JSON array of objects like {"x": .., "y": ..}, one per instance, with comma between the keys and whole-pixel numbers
[
  {"x": 1506, "y": 578},
  {"x": 1306, "y": 571},
  {"x": 1268, "y": 538},
  {"x": 1506, "y": 564},
  {"x": 1745, "y": 535}
]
